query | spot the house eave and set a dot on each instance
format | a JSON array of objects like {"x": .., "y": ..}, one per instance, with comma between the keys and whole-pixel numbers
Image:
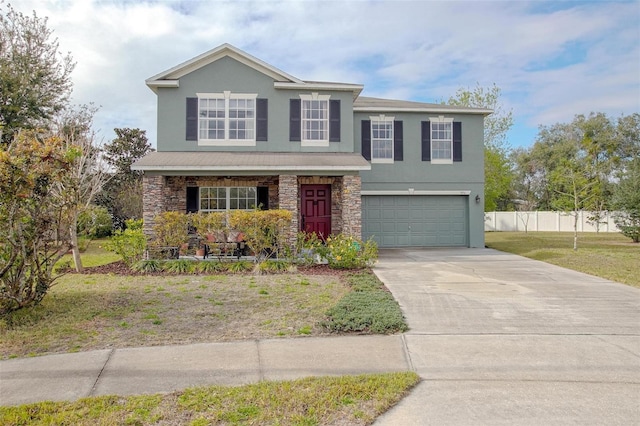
[
  {"x": 341, "y": 87},
  {"x": 431, "y": 110}
]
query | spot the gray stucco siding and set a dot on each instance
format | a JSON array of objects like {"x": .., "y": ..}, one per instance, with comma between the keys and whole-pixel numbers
[
  {"x": 412, "y": 168},
  {"x": 229, "y": 74}
]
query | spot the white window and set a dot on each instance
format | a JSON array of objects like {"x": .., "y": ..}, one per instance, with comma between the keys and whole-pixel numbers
[
  {"x": 226, "y": 119},
  {"x": 227, "y": 198},
  {"x": 441, "y": 140},
  {"x": 315, "y": 120},
  {"x": 381, "y": 139}
]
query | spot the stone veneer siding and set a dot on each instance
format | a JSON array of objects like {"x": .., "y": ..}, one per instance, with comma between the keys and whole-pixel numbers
[{"x": 288, "y": 195}]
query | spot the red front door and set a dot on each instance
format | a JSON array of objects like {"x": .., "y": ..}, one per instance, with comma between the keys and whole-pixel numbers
[{"x": 316, "y": 209}]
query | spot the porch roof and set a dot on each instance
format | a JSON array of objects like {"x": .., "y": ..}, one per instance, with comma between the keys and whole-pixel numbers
[{"x": 243, "y": 162}]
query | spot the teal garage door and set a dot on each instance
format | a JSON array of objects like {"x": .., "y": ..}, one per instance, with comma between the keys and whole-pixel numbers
[{"x": 416, "y": 220}]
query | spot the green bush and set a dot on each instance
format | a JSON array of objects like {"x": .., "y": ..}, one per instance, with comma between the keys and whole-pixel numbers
[
  {"x": 129, "y": 243},
  {"x": 95, "y": 222},
  {"x": 240, "y": 266},
  {"x": 151, "y": 265},
  {"x": 346, "y": 252},
  {"x": 179, "y": 266},
  {"x": 368, "y": 308},
  {"x": 171, "y": 229},
  {"x": 308, "y": 246},
  {"x": 265, "y": 231}
]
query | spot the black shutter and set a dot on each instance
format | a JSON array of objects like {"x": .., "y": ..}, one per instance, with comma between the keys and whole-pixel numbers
[
  {"x": 262, "y": 120},
  {"x": 192, "y": 199},
  {"x": 457, "y": 141},
  {"x": 334, "y": 120},
  {"x": 426, "y": 141},
  {"x": 294, "y": 120},
  {"x": 366, "y": 139},
  {"x": 263, "y": 198},
  {"x": 398, "y": 154},
  {"x": 192, "y": 119}
]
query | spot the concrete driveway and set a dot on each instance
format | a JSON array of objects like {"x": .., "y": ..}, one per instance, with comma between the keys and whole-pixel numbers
[{"x": 501, "y": 339}]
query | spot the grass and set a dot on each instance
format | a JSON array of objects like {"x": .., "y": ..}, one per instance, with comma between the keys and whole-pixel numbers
[
  {"x": 607, "y": 255},
  {"x": 347, "y": 400},
  {"x": 86, "y": 312},
  {"x": 94, "y": 255}
]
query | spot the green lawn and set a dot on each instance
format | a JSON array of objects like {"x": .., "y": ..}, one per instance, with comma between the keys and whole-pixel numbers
[
  {"x": 607, "y": 255},
  {"x": 347, "y": 400}
]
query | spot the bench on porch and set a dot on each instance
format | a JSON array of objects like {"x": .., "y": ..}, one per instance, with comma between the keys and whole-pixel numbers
[{"x": 225, "y": 244}]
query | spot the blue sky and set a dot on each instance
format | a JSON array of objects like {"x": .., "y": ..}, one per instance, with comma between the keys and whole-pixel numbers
[{"x": 552, "y": 60}]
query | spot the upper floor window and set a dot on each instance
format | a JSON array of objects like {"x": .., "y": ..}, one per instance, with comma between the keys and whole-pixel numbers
[
  {"x": 315, "y": 120},
  {"x": 382, "y": 139},
  {"x": 441, "y": 140},
  {"x": 227, "y": 198},
  {"x": 226, "y": 119}
]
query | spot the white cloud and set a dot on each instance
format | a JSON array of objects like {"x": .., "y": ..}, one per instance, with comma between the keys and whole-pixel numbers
[{"x": 552, "y": 60}]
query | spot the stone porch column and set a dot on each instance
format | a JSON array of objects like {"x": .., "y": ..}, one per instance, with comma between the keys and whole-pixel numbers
[
  {"x": 351, "y": 206},
  {"x": 288, "y": 200},
  {"x": 153, "y": 201}
]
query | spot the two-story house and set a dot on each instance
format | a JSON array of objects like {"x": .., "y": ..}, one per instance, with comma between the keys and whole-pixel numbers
[{"x": 235, "y": 133}]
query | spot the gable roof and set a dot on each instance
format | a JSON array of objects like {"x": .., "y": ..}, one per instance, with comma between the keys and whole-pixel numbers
[
  {"x": 367, "y": 104},
  {"x": 171, "y": 77}
]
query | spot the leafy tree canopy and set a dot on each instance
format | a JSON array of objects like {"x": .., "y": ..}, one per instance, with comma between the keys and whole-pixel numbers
[{"x": 35, "y": 78}]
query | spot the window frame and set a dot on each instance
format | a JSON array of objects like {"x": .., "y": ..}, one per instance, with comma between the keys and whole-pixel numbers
[
  {"x": 389, "y": 121},
  {"x": 227, "y": 96},
  {"x": 228, "y": 199},
  {"x": 304, "y": 121},
  {"x": 437, "y": 121}
]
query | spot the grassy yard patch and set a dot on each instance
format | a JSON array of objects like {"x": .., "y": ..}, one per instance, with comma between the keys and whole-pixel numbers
[
  {"x": 94, "y": 255},
  {"x": 607, "y": 255},
  {"x": 97, "y": 311},
  {"x": 347, "y": 400}
]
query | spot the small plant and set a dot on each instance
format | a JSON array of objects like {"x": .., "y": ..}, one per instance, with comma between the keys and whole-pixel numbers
[
  {"x": 308, "y": 248},
  {"x": 151, "y": 265},
  {"x": 208, "y": 267},
  {"x": 347, "y": 252},
  {"x": 306, "y": 330},
  {"x": 130, "y": 243},
  {"x": 240, "y": 266},
  {"x": 179, "y": 266},
  {"x": 273, "y": 266}
]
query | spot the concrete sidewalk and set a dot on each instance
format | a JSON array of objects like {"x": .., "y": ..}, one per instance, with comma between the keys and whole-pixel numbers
[{"x": 167, "y": 368}]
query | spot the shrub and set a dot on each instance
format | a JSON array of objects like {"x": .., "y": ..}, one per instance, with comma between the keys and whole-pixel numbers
[
  {"x": 150, "y": 265},
  {"x": 95, "y": 222},
  {"x": 308, "y": 246},
  {"x": 207, "y": 223},
  {"x": 179, "y": 266},
  {"x": 265, "y": 231},
  {"x": 239, "y": 266},
  {"x": 368, "y": 308},
  {"x": 273, "y": 266},
  {"x": 346, "y": 252},
  {"x": 171, "y": 229},
  {"x": 129, "y": 243}
]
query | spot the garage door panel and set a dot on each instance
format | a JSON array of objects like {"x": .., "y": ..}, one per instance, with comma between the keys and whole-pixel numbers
[{"x": 422, "y": 221}]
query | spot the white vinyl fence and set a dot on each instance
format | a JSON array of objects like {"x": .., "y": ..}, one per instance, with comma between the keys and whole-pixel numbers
[{"x": 545, "y": 221}]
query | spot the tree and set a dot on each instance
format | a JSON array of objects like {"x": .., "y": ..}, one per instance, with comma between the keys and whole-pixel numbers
[
  {"x": 497, "y": 165},
  {"x": 123, "y": 193},
  {"x": 31, "y": 217},
  {"x": 35, "y": 79},
  {"x": 626, "y": 200},
  {"x": 86, "y": 176}
]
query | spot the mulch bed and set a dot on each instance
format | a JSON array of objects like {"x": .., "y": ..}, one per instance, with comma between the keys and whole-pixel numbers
[{"x": 120, "y": 268}]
